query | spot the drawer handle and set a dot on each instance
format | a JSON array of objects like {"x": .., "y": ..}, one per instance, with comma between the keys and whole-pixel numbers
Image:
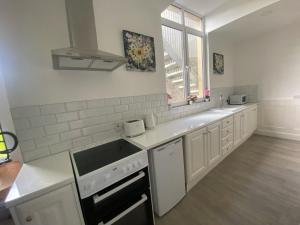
[
  {"x": 127, "y": 211},
  {"x": 28, "y": 219},
  {"x": 100, "y": 198}
]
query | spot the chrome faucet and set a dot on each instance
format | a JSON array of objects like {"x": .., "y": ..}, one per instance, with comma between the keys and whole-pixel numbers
[{"x": 222, "y": 99}]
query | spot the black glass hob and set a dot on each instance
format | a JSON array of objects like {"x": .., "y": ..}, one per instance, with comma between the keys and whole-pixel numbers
[{"x": 95, "y": 158}]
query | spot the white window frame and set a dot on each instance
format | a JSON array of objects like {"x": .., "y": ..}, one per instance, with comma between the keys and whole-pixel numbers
[{"x": 185, "y": 31}]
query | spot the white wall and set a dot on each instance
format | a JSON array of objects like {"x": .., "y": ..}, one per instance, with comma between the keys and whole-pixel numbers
[
  {"x": 217, "y": 44},
  {"x": 272, "y": 62},
  {"x": 5, "y": 116},
  {"x": 234, "y": 10},
  {"x": 30, "y": 29}
]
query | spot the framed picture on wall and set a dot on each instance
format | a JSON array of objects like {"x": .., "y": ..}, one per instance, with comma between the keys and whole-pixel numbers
[
  {"x": 218, "y": 63},
  {"x": 140, "y": 51}
]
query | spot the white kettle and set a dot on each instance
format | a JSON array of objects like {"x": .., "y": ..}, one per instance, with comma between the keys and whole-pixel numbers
[{"x": 150, "y": 120}]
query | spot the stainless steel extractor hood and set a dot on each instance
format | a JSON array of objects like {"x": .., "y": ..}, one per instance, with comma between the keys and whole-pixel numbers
[{"x": 83, "y": 54}]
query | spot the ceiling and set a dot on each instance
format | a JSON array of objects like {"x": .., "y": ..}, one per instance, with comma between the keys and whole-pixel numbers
[
  {"x": 204, "y": 7},
  {"x": 268, "y": 19}
]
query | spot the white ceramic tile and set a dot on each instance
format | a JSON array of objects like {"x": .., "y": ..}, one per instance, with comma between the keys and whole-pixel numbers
[
  {"x": 70, "y": 135},
  {"x": 76, "y": 106},
  {"x": 53, "y": 109},
  {"x": 21, "y": 124},
  {"x": 61, "y": 147},
  {"x": 83, "y": 141},
  {"x": 40, "y": 121},
  {"x": 47, "y": 141},
  {"x": 23, "y": 112},
  {"x": 57, "y": 128},
  {"x": 64, "y": 117},
  {"x": 30, "y": 133},
  {"x": 96, "y": 112}
]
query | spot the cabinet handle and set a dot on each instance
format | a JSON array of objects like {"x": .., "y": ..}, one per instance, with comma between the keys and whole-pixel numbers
[{"x": 28, "y": 219}]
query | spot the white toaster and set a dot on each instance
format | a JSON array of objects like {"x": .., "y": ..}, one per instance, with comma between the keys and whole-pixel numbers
[{"x": 134, "y": 128}]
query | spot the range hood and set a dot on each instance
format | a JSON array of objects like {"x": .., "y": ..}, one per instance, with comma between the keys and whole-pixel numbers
[{"x": 83, "y": 53}]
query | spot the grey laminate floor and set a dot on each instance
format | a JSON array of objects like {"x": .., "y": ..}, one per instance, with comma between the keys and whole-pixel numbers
[{"x": 258, "y": 184}]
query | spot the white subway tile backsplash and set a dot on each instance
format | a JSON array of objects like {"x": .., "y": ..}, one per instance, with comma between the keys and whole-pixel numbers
[
  {"x": 21, "y": 124},
  {"x": 49, "y": 129},
  {"x": 139, "y": 98},
  {"x": 76, "y": 106},
  {"x": 83, "y": 141},
  {"x": 64, "y": 117},
  {"x": 121, "y": 108},
  {"x": 53, "y": 109},
  {"x": 57, "y": 128},
  {"x": 27, "y": 145},
  {"x": 47, "y": 141},
  {"x": 126, "y": 100},
  {"x": 23, "y": 112},
  {"x": 96, "y": 103},
  {"x": 28, "y": 134},
  {"x": 61, "y": 147},
  {"x": 70, "y": 135},
  {"x": 35, "y": 154},
  {"x": 112, "y": 101},
  {"x": 96, "y": 129},
  {"x": 114, "y": 117},
  {"x": 96, "y": 112},
  {"x": 40, "y": 121},
  {"x": 87, "y": 122},
  {"x": 104, "y": 136}
]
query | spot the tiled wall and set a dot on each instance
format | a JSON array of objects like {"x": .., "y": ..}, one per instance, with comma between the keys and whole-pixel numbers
[
  {"x": 48, "y": 129},
  {"x": 250, "y": 90}
]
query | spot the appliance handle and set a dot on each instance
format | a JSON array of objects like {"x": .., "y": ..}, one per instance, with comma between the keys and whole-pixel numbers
[
  {"x": 100, "y": 198},
  {"x": 127, "y": 211}
]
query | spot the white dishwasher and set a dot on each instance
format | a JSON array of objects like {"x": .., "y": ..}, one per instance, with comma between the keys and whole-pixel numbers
[{"x": 167, "y": 176}]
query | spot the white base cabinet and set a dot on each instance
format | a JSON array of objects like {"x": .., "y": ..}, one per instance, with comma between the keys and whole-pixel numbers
[
  {"x": 202, "y": 152},
  {"x": 214, "y": 144},
  {"x": 207, "y": 147},
  {"x": 59, "y": 207},
  {"x": 195, "y": 156}
]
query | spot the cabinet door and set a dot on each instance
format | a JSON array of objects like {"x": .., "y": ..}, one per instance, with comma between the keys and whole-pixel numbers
[
  {"x": 253, "y": 119},
  {"x": 214, "y": 152},
  {"x": 195, "y": 152},
  {"x": 244, "y": 124},
  {"x": 237, "y": 129},
  {"x": 56, "y": 208}
]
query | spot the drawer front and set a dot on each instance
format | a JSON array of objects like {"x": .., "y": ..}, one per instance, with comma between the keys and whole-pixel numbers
[
  {"x": 227, "y": 122},
  {"x": 227, "y": 149},
  {"x": 226, "y": 141},
  {"x": 227, "y": 131}
]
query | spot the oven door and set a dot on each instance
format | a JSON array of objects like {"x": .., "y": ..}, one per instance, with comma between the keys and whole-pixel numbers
[{"x": 126, "y": 202}]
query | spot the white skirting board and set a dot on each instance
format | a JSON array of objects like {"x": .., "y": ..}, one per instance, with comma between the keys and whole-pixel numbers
[{"x": 277, "y": 134}]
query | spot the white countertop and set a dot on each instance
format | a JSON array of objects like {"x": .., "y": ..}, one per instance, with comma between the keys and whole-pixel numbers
[
  {"x": 39, "y": 177},
  {"x": 177, "y": 128}
]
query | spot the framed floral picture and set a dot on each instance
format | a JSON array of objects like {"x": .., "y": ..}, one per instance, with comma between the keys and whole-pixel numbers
[
  {"x": 140, "y": 51},
  {"x": 218, "y": 63}
]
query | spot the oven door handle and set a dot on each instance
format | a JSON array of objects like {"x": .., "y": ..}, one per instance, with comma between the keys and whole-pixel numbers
[
  {"x": 127, "y": 211},
  {"x": 100, "y": 198}
]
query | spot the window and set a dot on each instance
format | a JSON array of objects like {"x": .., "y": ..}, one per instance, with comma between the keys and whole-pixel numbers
[
  {"x": 2, "y": 147},
  {"x": 183, "y": 40}
]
